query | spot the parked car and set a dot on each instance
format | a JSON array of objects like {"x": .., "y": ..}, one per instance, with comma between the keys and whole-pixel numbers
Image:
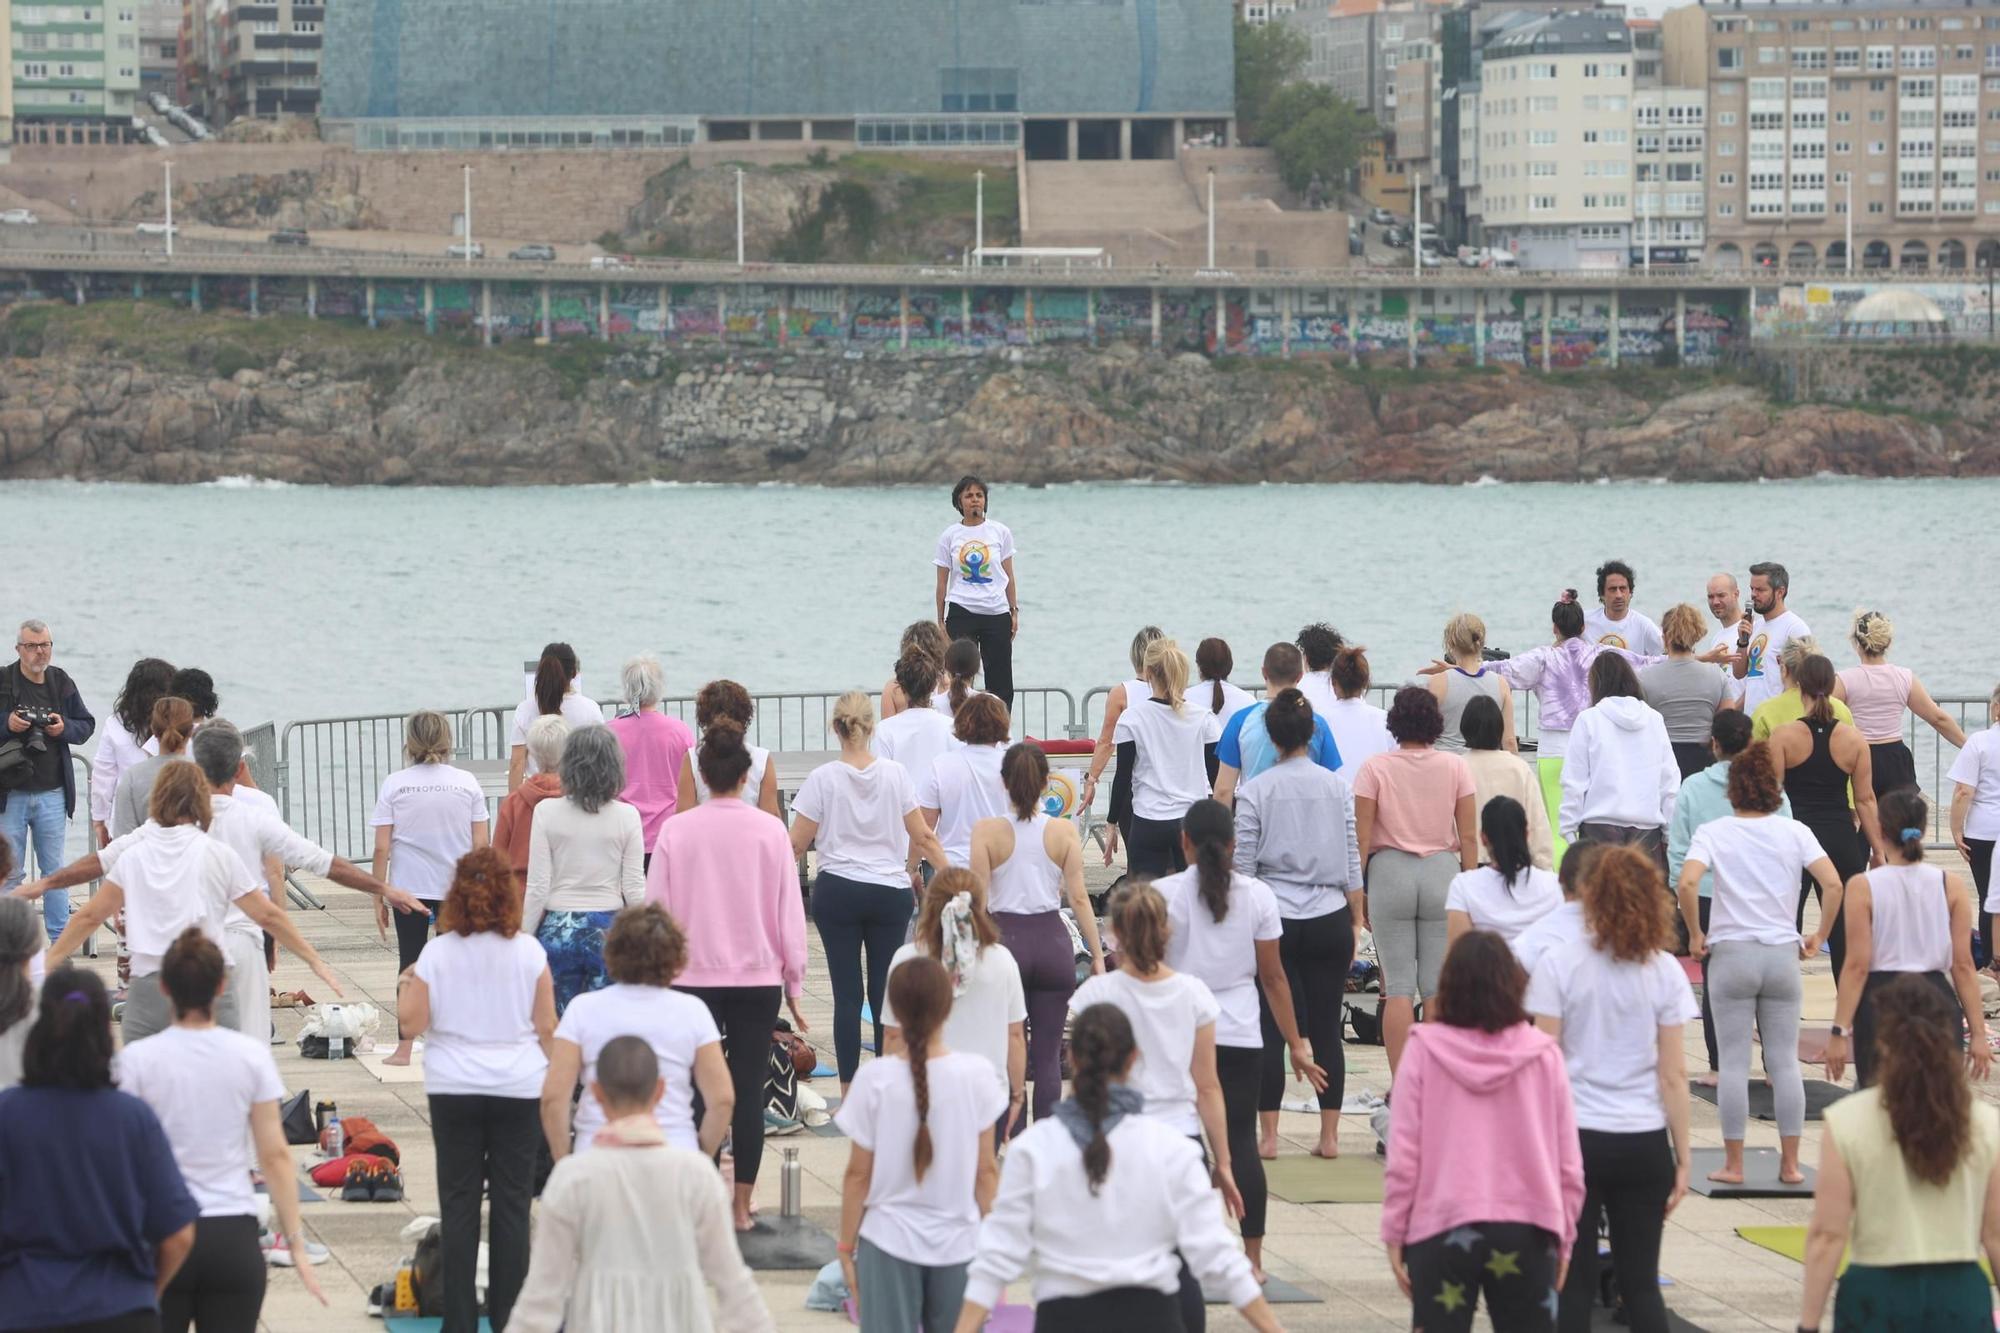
[
  {"x": 157, "y": 229},
  {"x": 290, "y": 236},
  {"x": 1396, "y": 238},
  {"x": 1381, "y": 217},
  {"x": 1428, "y": 258},
  {"x": 18, "y": 217},
  {"x": 1354, "y": 245},
  {"x": 535, "y": 252},
  {"x": 457, "y": 250},
  {"x": 159, "y": 102},
  {"x": 611, "y": 261}
]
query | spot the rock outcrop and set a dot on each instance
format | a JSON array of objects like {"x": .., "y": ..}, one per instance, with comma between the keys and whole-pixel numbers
[{"x": 300, "y": 403}]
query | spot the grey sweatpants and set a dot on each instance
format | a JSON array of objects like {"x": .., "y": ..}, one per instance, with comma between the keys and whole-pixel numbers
[
  {"x": 900, "y": 1297},
  {"x": 148, "y": 1010},
  {"x": 1757, "y": 985},
  {"x": 1406, "y": 897}
]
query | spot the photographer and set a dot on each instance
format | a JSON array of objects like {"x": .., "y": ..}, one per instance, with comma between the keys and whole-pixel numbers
[{"x": 45, "y": 716}]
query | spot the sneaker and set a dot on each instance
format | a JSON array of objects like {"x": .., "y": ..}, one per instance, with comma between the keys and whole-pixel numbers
[
  {"x": 776, "y": 1125},
  {"x": 278, "y": 1251},
  {"x": 359, "y": 1184}
]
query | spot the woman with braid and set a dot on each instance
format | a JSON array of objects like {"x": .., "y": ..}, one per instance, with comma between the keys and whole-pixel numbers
[
  {"x": 1104, "y": 1202},
  {"x": 921, "y": 1169}
]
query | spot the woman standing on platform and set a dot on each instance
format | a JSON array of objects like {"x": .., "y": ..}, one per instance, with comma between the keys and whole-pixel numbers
[
  {"x": 1505, "y": 894},
  {"x": 586, "y": 863},
  {"x": 515, "y": 823},
  {"x": 1905, "y": 917},
  {"x": 961, "y": 677},
  {"x": 916, "y": 736},
  {"x": 726, "y": 701},
  {"x": 1620, "y": 776},
  {"x": 554, "y": 692},
  {"x": 1878, "y": 692},
  {"x": 978, "y": 595},
  {"x": 1359, "y": 728},
  {"x": 122, "y": 741},
  {"x": 1496, "y": 772}
]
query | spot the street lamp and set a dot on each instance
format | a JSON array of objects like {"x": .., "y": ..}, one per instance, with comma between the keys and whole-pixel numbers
[
  {"x": 979, "y": 217},
  {"x": 1416, "y": 225},
  {"x": 170, "y": 207},
  {"x": 739, "y": 217},
  {"x": 1211, "y": 217},
  {"x": 1850, "y": 224},
  {"x": 468, "y": 217}
]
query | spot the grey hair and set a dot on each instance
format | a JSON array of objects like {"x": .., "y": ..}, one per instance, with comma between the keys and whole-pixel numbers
[
  {"x": 20, "y": 940},
  {"x": 644, "y": 682},
  {"x": 628, "y": 1071},
  {"x": 1141, "y": 641},
  {"x": 218, "y": 751},
  {"x": 593, "y": 768},
  {"x": 33, "y": 627},
  {"x": 546, "y": 736}
]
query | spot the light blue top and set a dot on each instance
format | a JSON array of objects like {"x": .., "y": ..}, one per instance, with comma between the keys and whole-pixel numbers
[{"x": 1703, "y": 797}]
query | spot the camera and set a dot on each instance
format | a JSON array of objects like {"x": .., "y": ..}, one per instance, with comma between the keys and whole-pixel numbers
[{"x": 38, "y": 720}]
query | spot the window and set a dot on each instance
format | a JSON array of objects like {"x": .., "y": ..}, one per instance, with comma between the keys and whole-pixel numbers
[
  {"x": 1841, "y": 148},
  {"x": 979, "y": 89},
  {"x": 1875, "y": 206},
  {"x": 1769, "y": 55},
  {"x": 1877, "y": 148},
  {"x": 1724, "y": 209},
  {"x": 1646, "y": 115},
  {"x": 1809, "y": 89},
  {"x": 33, "y": 41},
  {"x": 1923, "y": 89},
  {"x": 1726, "y": 179},
  {"x": 1541, "y": 203},
  {"x": 1809, "y": 57},
  {"x": 1881, "y": 57},
  {"x": 127, "y": 42},
  {"x": 34, "y": 71},
  {"x": 1917, "y": 118},
  {"x": 1727, "y": 148},
  {"x": 65, "y": 71},
  {"x": 1726, "y": 119},
  {"x": 1731, "y": 57},
  {"x": 1877, "y": 115},
  {"x": 1847, "y": 57},
  {"x": 1960, "y": 120},
  {"x": 1767, "y": 90},
  {"x": 1541, "y": 71},
  {"x": 1920, "y": 57},
  {"x": 1541, "y": 105},
  {"x": 1541, "y": 169},
  {"x": 1616, "y": 136},
  {"x": 1541, "y": 138},
  {"x": 1590, "y": 201}
]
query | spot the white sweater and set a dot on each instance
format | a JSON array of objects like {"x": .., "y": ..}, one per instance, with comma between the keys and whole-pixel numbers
[
  {"x": 1155, "y": 1199},
  {"x": 1619, "y": 768},
  {"x": 579, "y": 862}
]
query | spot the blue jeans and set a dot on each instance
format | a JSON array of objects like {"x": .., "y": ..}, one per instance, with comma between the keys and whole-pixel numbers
[{"x": 40, "y": 813}]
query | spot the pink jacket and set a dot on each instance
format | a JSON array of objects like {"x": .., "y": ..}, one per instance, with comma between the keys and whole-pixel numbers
[
  {"x": 1481, "y": 1129},
  {"x": 724, "y": 870}
]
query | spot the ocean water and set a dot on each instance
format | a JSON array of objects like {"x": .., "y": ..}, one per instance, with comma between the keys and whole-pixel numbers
[{"x": 308, "y": 602}]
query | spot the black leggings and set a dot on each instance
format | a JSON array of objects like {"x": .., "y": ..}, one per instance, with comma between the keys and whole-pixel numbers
[
  {"x": 220, "y": 1289},
  {"x": 1513, "y": 1264},
  {"x": 854, "y": 916},
  {"x": 1240, "y": 1069},
  {"x": 1316, "y": 952},
  {"x": 413, "y": 931},
  {"x": 1863, "y": 1041},
  {"x": 1982, "y": 875},
  {"x": 1844, "y": 846},
  {"x": 1627, "y": 1178},
  {"x": 1042, "y": 950},
  {"x": 995, "y": 636},
  {"x": 747, "y": 1016},
  {"x": 133, "y": 1321},
  {"x": 1119, "y": 1310},
  {"x": 1153, "y": 847},
  {"x": 1707, "y": 1010}
]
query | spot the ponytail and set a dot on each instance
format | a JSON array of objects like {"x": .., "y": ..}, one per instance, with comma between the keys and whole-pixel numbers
[
  {"x": 552, "y": 677},
  {"x": 1139, "y": 924},
  {"x": 1100, "y": 1046},
  {"x": 1214, "y": 660},
  {"x": 1167, "y": 671},
  {"x": 920, "y": 995},
  {"x": 1207, "y": 824},
  {"x": 171, "y": 722},
  {"x": 1504, "y": 821},
  {"x": 1904, "y": 815},
  {"x": 961, "y": 663},
  {"x": 1024, "y": 770}
]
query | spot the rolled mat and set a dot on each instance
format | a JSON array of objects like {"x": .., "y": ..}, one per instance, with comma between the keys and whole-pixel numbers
[
  {"x": 1819, "y": 1095},
  {"x": 1307, "y": 1179}
]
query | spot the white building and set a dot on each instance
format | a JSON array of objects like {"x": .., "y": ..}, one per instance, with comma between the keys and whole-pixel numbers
[{"x": 1669, "y": 159}]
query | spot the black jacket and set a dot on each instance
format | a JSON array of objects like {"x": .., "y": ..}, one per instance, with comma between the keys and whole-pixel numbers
[{"x": 78, "y": 725}]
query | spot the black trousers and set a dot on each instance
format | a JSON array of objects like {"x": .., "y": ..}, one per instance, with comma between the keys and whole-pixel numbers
[
  {"x": 1844, "y": 846},
  {"x": 1316, "y": 952},
  {"x": 1707, "y": 1010},
  {"x": 1511, "y": 1264},
  {"x": 1626, "y": 1179},
  {"x": 136, "y": 1321},
  {"x": 853, "y": 916},
  {"x": 484, "y": 1144},
  {"x": 747, "y": 1015},
  {"x": 995, "y": 636},
  {"x": 1240, "y": 1070},
  {"x": 413, "y": 931},
  {"x": 1692, "y": 757},
  {"x": 1982, "y": 874},
  {"x": 1862, "y": 1045},
  {"x": 1119, "y": 1310},
  {"x": 1153, "y": 847},
  {"x": 220, "y": 1289}
]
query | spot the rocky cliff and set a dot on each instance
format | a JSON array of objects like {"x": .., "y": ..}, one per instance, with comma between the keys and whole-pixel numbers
[{"x": 141, "y": 393}]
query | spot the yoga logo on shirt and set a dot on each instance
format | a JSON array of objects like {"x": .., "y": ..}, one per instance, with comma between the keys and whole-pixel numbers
[
  {"x": 1614, "y": 641},
  {"x": 975, "y": 563},
  {"x": 1756, "y": 664}
]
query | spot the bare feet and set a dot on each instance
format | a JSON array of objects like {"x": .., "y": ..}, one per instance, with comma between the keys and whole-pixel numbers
[
  {"x": 1791, "y": 1175},
  {"x": 1728, "y": 1176},
  {"x": 1267, "y": 1148},
  {"x": 399, "y": 1056},
  {"x": 1326, "y": 1148},
  {"x": 1708, "y": 1080},
  {"x": 744, "y": 1222}
]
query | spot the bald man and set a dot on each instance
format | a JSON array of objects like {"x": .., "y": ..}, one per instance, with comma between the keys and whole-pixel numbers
[{"x": 1725, "y": 603}]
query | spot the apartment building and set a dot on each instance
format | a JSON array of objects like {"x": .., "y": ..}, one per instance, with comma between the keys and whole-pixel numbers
[
  {"x": 1891, "y": 110},
  {"x": 270, "y": 59},
  {"x": 75, "y": 71},
  {"x": 1555, "y": 140},
  {"x": 159, "y": 48},
  {"x": 1669, "y": 175},
  {"x": 1344, "y": 51},
  {"x": 1257, "y": 13}
]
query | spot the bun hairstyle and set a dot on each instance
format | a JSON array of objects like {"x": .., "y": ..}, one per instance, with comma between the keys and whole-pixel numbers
[
  {"x": 1904, "y": 816},
  {"x": 944, "y": 886},
  {"x": 723, "y": 758},
  {"x": 1101, "y": 1045},
  {"x": 917, "y": 673},
  {"x": 1141, "y": 641},
  {"x": 1464, "y": 635},
  {"x": 1567, "y": 615},
  {"x": 69, "y": 1045},
  {"x": 1753, "y": 780},
  {"x": 1024, "y": 770},
  {"x": 1732, "y": 730},
  {"x": 1872, "y": 633},
  {"x": 1504, "y": 821},
  {"x": 1167, "y": 670},
  {"x": 961, "y": 663},
  {"x": 1578, "y": 864},
  {"x": 1288, "y": 719},
  {"x": 1209, "y": 826},
  {"x": 1139, "y": 923},
  {"x": 1682, "y": 627},
  {"x": 920, "y": 994},
  {"x": 427, "y": 737},
  {"x": 853, "y": 717},
  {"x": 1922, "y": 1077},
  {"x": 1625, "y": 905},
  {"x": 484, "y": 897},
  {"x": 1214, "y": 661},
  {"x": 723, "y": 700},
  {"x": 171, "y": 723},
  {"x": 553, "y": 674},
  {"x": 192, "y": 972},
  {"x": 1350, "y": 671}
]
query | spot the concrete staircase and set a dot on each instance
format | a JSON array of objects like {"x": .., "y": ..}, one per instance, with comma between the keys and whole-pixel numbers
[{"x": 1142, "y": 212}]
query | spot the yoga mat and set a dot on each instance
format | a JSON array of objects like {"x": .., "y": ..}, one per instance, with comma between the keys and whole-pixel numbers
[
  {"x": 1763, "y": 1106},
  {"x": 1760, "y": 1176},
  {"x": 1691, "y": 966},
  {"x": 1308, "y": 1179},
  {"x": 1791, "y": 1242},
  {"x": 412, "y": 1072},
  {"x": 785, "y": 1243},
  {"x": 1276, "y": 1290},
  {"x": 411, "y": 1323}
]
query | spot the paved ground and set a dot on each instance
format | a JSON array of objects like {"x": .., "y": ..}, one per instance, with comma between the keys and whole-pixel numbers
[{"x": 1720, "y": 1282}]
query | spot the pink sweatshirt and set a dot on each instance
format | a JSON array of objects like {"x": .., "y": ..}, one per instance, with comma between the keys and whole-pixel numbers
[
  {"x": 1481, "y": 1129},
  {"x": 725, "y": 872}
]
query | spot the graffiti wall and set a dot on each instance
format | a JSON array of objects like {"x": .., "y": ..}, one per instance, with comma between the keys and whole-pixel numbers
[{"x": 1818, "y": 310}]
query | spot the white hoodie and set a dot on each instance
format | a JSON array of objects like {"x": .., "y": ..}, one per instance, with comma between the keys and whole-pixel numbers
[{"x": 1619, "y": 768}]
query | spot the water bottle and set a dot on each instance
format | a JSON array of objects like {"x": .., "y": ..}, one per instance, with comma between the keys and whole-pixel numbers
[
  {"x": 791, "y": 1182},
  {"x": 336, "y": 1022},
  {"x": 336, "y": 1137}
]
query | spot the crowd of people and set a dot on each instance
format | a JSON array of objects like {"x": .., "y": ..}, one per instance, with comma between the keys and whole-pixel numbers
[{"x": 596, "y": 978}]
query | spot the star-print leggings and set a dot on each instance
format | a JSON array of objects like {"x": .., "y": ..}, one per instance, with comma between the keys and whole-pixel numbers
[{"x": 1512, "y": 1264}]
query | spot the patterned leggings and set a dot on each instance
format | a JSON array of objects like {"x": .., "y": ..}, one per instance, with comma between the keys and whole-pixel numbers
[
  {"x": 574, "y": 942},
  {"x": 1512, "y": 1263}
]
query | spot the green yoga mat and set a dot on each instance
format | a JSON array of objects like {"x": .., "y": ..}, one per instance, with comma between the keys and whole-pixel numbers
[
  {"x": 1791, "y": 1242},
  {"x": 1307, "y": 1179}
]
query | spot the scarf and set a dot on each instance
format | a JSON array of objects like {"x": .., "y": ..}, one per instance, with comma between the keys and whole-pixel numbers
[
  {"x": 1124, "y": 1100},
  {"x": 959, "y": 942},
  {"x": 631, "y": 1131}
]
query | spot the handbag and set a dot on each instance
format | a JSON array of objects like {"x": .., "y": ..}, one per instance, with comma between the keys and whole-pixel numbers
[
  {"x": 296, "y": 1115},
  {"x": 15, "y": 765}
]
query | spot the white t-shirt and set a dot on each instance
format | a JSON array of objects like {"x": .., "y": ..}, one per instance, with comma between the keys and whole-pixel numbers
[
  {"x": 1563, "y": 926},
  {"x": 201, "y": 1083},
  {"x": 975, "y": 560},
  {"x": 1978, "y": 767},
  {"x": 1166, "y": 1016},
  {"x": 1317, "y": 687},
  {"x": 978, "y": 1022},
  {"x": 933, "y": 1221},
  {"x": 753, "y": 781},
  {"x": 247, "y": 822},
  {"x": 1757, "y": 864},
  {"x": 675, "y": 1025},
  {"x": 1611, "y": 1014},
  {"x": 433, "y": 808},
  {"x": 1171, "y": 772},
  {"x": 1223, "y": 954},
  {"x": 1635, "y": 632},
  {"x": 914, "y": 738},
  {"x": 860, "y": 812},
  {"x": 576, "y": 710},
  {"x": 1767, "y": 642},
  {"x": 964, "y": 787},
  {"x": 482, "y": 1037},
  {"x": 1234, "y": 700},
  {"x": 1725, "y": 638},
  {"x": 1360, "y": 731},
  {"x": 1484, "y": 896},
  {"x": 173, "y": 878}
]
